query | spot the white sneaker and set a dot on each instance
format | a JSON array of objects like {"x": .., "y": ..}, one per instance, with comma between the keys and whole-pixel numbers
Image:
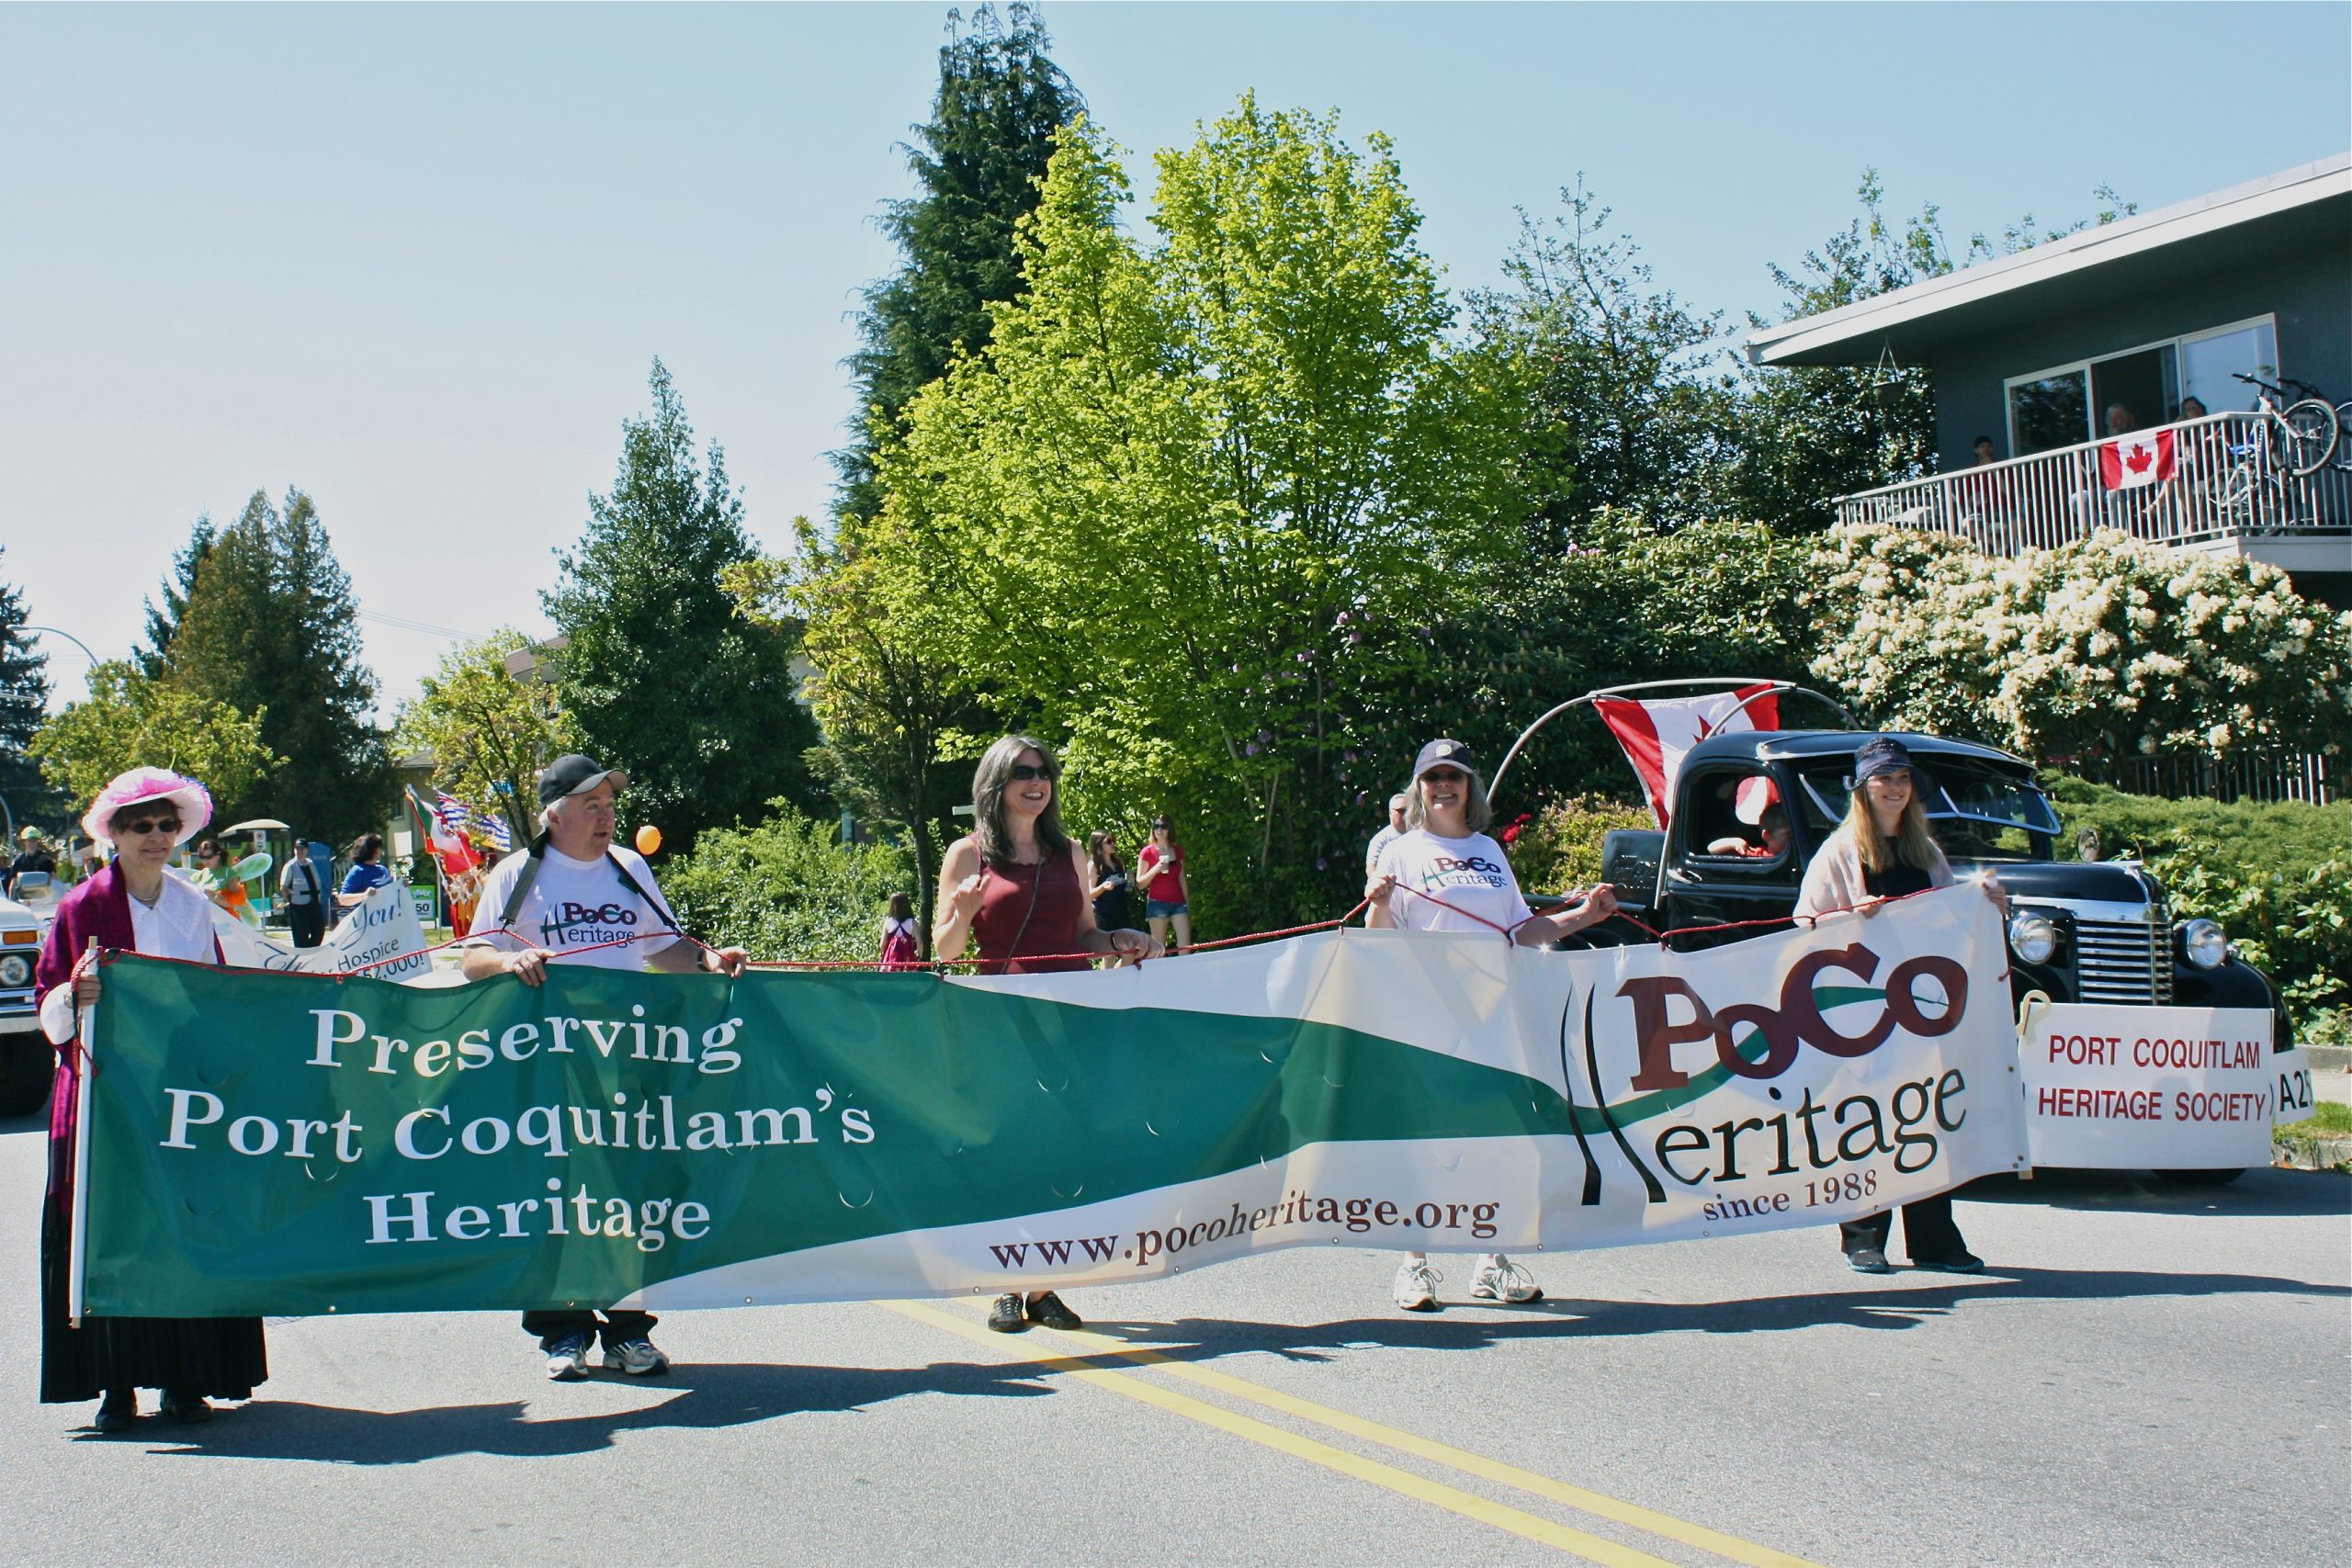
[
  {"x": 1501, "y": 1279},
  {"x": 566, "y": 1356},
  {"x": 1416, "y": 1289},
  {"x": 638, "y": 1358}
]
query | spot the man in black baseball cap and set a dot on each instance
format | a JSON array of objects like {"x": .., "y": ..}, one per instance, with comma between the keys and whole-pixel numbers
[{"x": 575, "y": 896}]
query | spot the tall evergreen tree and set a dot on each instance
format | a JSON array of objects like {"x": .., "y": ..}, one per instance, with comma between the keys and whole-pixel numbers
[
  {"x": 978, "y": 162},
  {"x": 271, "y": 624},
  {"x": 662, "y": 674},
  {"x": 24, "y": 694},
  {"x": 164, "y": 623}
]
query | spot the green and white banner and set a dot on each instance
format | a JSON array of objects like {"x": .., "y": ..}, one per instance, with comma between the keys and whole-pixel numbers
[
  {"x": 291, "y": 1143},
  {"x": 378, "y": 936}
]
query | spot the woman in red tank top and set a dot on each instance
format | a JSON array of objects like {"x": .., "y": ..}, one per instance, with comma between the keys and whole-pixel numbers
[{"x": 1017, "y": 887}]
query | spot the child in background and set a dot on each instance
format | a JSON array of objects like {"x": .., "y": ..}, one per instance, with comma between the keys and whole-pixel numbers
[{"x": 899, "y": 949}]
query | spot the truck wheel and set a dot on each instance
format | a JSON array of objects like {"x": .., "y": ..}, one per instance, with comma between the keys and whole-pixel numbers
[
  {"x": 2200, "y": 1177},
  {"x": 25, "y": 1078}
]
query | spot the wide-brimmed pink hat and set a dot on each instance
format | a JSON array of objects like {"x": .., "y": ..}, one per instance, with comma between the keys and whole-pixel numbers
[{"x": 142, "y": 785}]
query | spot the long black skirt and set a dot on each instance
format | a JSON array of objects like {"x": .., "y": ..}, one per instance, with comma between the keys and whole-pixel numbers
[{"x": 218, "y": 1357}]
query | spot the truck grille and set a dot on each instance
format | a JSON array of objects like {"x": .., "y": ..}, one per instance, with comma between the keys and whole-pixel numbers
[{"x": 2124, "y": 961}]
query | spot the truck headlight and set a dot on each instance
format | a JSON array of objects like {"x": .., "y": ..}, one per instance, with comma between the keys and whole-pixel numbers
[
  {"x": 2207, "y": 945},
  {"x": 2032, "y": 937},
  {"x": 15, "y": 970}
]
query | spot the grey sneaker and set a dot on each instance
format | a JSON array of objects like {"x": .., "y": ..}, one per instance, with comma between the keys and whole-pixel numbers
[
  {"x": 638, "y": 1358},
  {"x": 1416, "y": 1287},
  {"x": 1501, "y": 1279},
  {"x": 566, "y": 1356}
]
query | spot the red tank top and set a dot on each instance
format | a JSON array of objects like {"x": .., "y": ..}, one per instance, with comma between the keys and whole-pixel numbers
[{"x": 1029, "y": 910}]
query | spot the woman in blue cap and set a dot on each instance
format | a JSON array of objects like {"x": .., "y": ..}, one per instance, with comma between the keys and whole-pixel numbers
[{"x": 1884, "y": 850}]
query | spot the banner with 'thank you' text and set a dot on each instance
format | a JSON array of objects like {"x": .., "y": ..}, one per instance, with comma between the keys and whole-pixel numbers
[{"x": 292, "y": 1143}]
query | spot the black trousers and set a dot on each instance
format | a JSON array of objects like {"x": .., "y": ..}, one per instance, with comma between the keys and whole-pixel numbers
[
  {"x": 308, "y": 923},
  {"x": 614, "y": 1325},
  {"x": 1928, "y": 1231}
]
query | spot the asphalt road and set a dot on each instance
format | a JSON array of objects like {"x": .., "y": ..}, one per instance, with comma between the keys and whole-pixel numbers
[{"x": 2147, "y": 1375}]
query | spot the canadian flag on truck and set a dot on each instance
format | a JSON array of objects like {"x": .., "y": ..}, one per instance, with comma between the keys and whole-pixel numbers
[
  {"x": 2133, "y": 461},
  {"x": 1657, "y": 733}
]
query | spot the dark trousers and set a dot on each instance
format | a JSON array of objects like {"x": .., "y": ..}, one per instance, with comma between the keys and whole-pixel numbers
[
  {"x": 1928, "y": 1231},
  {"x": 616, "y": 1326},
  {"x": 308, "y": 923}
]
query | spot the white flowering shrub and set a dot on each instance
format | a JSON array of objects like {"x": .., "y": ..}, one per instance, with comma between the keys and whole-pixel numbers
[{"x": 2108, "y": 646}]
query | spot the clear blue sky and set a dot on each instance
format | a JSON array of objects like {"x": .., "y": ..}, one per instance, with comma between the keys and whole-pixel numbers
[{"x": 417, "y": 260}]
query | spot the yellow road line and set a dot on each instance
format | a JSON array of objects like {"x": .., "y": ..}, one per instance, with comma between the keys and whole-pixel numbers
[
  {"x": 1545, "y": 1532},
  {"x": 1594, "y": 1502}
]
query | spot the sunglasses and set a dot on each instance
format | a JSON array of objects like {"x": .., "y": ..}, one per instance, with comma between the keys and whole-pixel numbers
[
  {"x": 1446, "y": 775},
  {"x": 1024, "y": 772},
  {"x": 147, "y": 824}
]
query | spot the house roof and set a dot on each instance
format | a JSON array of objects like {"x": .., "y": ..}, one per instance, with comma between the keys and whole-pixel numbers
[{"x": 2296, "y": 210}]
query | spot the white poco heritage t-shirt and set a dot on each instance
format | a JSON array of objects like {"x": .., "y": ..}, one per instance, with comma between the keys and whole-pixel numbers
[
  {"x": 576, "y": 903},
  {"x": 1469, "y": 874}
]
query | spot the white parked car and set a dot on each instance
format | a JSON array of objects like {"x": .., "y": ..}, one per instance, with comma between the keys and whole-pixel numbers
[{"x": 27, "y": 1062}]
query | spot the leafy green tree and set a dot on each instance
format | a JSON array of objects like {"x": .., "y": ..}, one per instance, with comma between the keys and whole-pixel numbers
[
  {"x": 488, "y": 734},
  {"x": 978, "y": 163},
  {"x": 1621, "y": 400},
  {"x": 132, "y": 720},
  {"x": 787, "y": 888},
  {"x": 1808, "y": 435},
  {"x": 24, "y": 697},
  {"x": 661, "y": 673},
  {"x": 164, "y": 621},
  {"x": 1193, "y": 493},
  {"x": 271, "y": 625}
]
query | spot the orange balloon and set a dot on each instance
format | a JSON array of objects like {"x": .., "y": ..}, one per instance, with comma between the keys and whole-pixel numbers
[{"x": 649, "y": 839}]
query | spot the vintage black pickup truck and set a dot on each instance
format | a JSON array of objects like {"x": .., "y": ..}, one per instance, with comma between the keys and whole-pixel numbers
[{"x": 2097, "y": 931}]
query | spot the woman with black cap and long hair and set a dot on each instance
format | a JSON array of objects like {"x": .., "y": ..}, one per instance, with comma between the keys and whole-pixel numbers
[
  {"x": 1884, "y": 849},
  {"x": 1443, "y": 874}
]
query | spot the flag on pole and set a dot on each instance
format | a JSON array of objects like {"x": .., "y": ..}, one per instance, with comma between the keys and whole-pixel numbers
[
  {"x": 1658, "y": 733},
  {"x": 2136, "y": 461}
]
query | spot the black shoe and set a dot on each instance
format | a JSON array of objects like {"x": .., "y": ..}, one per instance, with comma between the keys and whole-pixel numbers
[
  {"x": 118, "y": 1411},
  {"x": 187, "y": 1409},
  {"x": 1961, "y": 1262},
  {"x": 1868, "y": 1260},
  {"x": 1006, "y": 1317},
  {"x": 1049, "y": 1311}
]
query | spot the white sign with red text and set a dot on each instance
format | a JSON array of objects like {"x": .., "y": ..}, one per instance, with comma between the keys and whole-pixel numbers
[{"x": 2111, "y": 1088}]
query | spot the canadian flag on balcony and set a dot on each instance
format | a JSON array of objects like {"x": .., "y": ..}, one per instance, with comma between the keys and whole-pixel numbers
[
  {"x": 2132, "y": 461},
  {"x": 1657, "y": 734}
]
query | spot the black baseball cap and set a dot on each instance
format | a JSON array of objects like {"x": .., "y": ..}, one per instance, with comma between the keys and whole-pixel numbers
[
  {"x": 1883, "y": 754},
  {"x": 576, "y": 775},
  {"x": 1451, "y": 752}
]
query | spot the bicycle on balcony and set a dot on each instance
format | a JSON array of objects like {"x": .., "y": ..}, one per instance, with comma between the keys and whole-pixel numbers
[{"x": 2304, "y": 432}]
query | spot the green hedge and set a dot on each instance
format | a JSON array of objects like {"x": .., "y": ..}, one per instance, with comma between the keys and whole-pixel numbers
[
  {"x": 2277, "y": 877},
  {"x": 787, "y": 889},
  {"x": 1559, "y": 848}
]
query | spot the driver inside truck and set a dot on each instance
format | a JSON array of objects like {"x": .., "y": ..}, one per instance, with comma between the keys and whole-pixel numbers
[{"x": 1773, "y": 827}]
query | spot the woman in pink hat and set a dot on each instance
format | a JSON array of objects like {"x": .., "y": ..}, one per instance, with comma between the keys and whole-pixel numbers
[{"x": 132, "y": 905}]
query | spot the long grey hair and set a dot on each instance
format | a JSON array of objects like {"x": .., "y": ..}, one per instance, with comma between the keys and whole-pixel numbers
[{"x": 988, "y": 784}]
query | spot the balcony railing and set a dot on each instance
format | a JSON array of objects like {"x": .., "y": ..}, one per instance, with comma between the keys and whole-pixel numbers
[{"x": 2226, "y": 482}]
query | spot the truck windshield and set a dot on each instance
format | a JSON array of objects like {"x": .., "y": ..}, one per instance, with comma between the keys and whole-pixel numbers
[{"x": 1980, "y": 812}]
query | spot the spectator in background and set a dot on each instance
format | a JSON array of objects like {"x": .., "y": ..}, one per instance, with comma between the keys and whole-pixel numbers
[
  {"x": 2192, "y": 407},
  {"x": 1159, "y": 876},
  {"x": 36, "y": 855},
  {"x": 1396, "y": 804},
  {"x": 1987, "y": 454},
  {"x": 900, "y": 949},
  {"x": 305, "y": 892},
  {"x": 1110, "y": 888},
  {"x": 368, "y": 871},
  {"x": 2120, "y": 420}
]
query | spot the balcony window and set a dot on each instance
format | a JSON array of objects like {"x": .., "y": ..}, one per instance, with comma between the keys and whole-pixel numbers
[{"x": 2068, "y": 403}]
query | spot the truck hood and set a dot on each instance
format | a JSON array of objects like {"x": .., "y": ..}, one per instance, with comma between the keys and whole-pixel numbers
[{"x": 2107, "y": 882}]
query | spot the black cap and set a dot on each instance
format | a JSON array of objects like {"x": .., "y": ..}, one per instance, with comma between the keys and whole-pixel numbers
[
  {"x": 1451, "y": 752},
  {"x": 1882, "y": 755},
  {"x": 576, "y": 775}
]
